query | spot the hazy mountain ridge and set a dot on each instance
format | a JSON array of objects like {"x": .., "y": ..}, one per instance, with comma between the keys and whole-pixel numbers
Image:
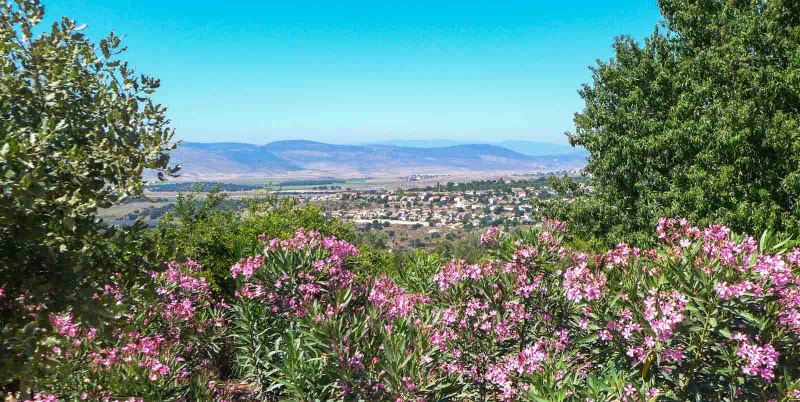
[
  {"x": 283, "y": 157},
  {"x": 530, "y": 148}
]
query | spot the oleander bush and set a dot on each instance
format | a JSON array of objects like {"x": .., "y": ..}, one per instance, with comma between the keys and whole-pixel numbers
[
  {"x": 160, "y": 346},
  {"x": 706, "y": 315},
  {"x": 204, "y": 228},
  {"x": 306, "y": 329}
]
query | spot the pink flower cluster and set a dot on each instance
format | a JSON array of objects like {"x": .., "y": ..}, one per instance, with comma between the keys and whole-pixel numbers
[
  {"x": 580, "y": 283},
  {"x": 758, "y": 275},
  {"x": 63, "y": 325},
  {"x": 291, "y": 294},
  {"x": 247, "y": 266},
  {"x": 182, "y": 291},
  {"x": 549, "y": 235},
  {"x": 759, "y": 360},
  {"x": 490, "y": 236},
  {"x": 625, "y": 325},
  {"x": 459, "y": 270},
  {"x": 42, "y": 397},
  {"x": 307, "y": 240},
  {"x": 393, "y": 300},
  {"x": 529, "y": 361},
  {"x": 790, "y": 308},
  {"x": 553, "y": 225},
  {"x": 147, "y": 351},
  {"x": 735, "y": 291},
  {"x": 715, "y": 243},
  {"x": 160, "y": 339},
  {"x": 500, "y": 301},
  {"x": 621, "y": 255},
  {"x": 664, "y": 311}
]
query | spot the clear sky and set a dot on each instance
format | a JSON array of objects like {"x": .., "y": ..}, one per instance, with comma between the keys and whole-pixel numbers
[{"x": 351, "y": 72}]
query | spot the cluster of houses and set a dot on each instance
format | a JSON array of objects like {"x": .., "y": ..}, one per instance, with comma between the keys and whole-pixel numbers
[{"x": 506, "y": 205}]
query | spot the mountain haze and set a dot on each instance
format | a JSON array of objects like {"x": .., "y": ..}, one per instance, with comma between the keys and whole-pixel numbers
[
  {"x": 317, "y": 158},
  {"x": 530, "y": 148}
]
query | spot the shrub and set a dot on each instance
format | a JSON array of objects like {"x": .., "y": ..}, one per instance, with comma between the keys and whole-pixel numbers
[
  {"x": 681, "y": 123},
  {"x": 159, "y": 347},
  {"x": 705, "y": 315},
  {"x": 307, "y": 329},
  {"x": 216, "y": 235}
]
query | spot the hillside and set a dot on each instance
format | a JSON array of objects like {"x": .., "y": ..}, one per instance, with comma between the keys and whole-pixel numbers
[
  {"x": 316, "y": 158},
  {"x": 530, "y": 148}
]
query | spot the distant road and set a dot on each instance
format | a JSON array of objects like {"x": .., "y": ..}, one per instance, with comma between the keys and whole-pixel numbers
[{"x": 392, "y": 221}]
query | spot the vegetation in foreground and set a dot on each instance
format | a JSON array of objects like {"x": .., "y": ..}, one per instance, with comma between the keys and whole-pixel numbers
[
  {"x": 705, "y": 315},
  {"x": 279, "y": 303}
]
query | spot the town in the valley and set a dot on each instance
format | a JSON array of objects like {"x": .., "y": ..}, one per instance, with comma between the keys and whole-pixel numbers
[{"x": 415, "y": 211}]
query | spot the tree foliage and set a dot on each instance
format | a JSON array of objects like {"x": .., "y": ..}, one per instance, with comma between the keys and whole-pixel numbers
[
  {"x": 701, "y": 120},
  {"x": 207, "y": 229},
  {"x": 77, "y": 131}
]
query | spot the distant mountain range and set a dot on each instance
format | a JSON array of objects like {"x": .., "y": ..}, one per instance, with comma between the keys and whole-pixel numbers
[
  {"x": 530, "y": 148},
  {"x": 309, "y": 158}
]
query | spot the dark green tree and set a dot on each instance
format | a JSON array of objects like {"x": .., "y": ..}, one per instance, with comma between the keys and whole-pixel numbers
[{"x": 701, "y": 121}]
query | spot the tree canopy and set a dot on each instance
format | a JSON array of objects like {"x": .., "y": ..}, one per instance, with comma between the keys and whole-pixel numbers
[
  {"x": 78, "y": 129},
  {"x": 701, "y": 120}
]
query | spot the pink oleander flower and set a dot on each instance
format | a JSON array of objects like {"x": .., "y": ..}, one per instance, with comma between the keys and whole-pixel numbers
[
  {"x": 759, "y": 360},
  {"x": 620, "y": 256},
  {"x": 393, "y": 300},
  {"x": 775, "y": 269},
  {"x": 530, "y": 360},
  {"x": 63, "y": 325},
  {"x": 41, "y": 397},
  {"x": 553, "y": 225},
  {"x": 637, "y": 354},
  {"x": 459, "y": 270},
  {"x": 580, "y": 283},
  {"x": 664, "y": 311},
  {"x": 250, "y": 291},
  {"x": 247, "y": 266},
  {"x": 490, "y": 236},
  {"x": 306, "y": 240},
  {"x": 789, "y": 314},
  {"x": 158, "y": 370},
  {"x": 735, "y": 291},
  {"x": 675, "y": 355}
]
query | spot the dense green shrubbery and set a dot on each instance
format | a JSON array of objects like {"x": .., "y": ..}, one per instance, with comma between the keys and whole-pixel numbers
[
  {"x": 277, "y": 297},
  {"x": 204, "y": 229},
  {"x": 706, "y": 315}
]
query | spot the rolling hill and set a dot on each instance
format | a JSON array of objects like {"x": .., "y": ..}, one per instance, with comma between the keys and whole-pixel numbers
[
  {"x": 316, "y": 158},
  {"x": 530, "y": 148}
]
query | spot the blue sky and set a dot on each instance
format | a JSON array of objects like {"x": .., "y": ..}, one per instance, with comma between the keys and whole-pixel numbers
[{"x": 351, "y": 72}]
